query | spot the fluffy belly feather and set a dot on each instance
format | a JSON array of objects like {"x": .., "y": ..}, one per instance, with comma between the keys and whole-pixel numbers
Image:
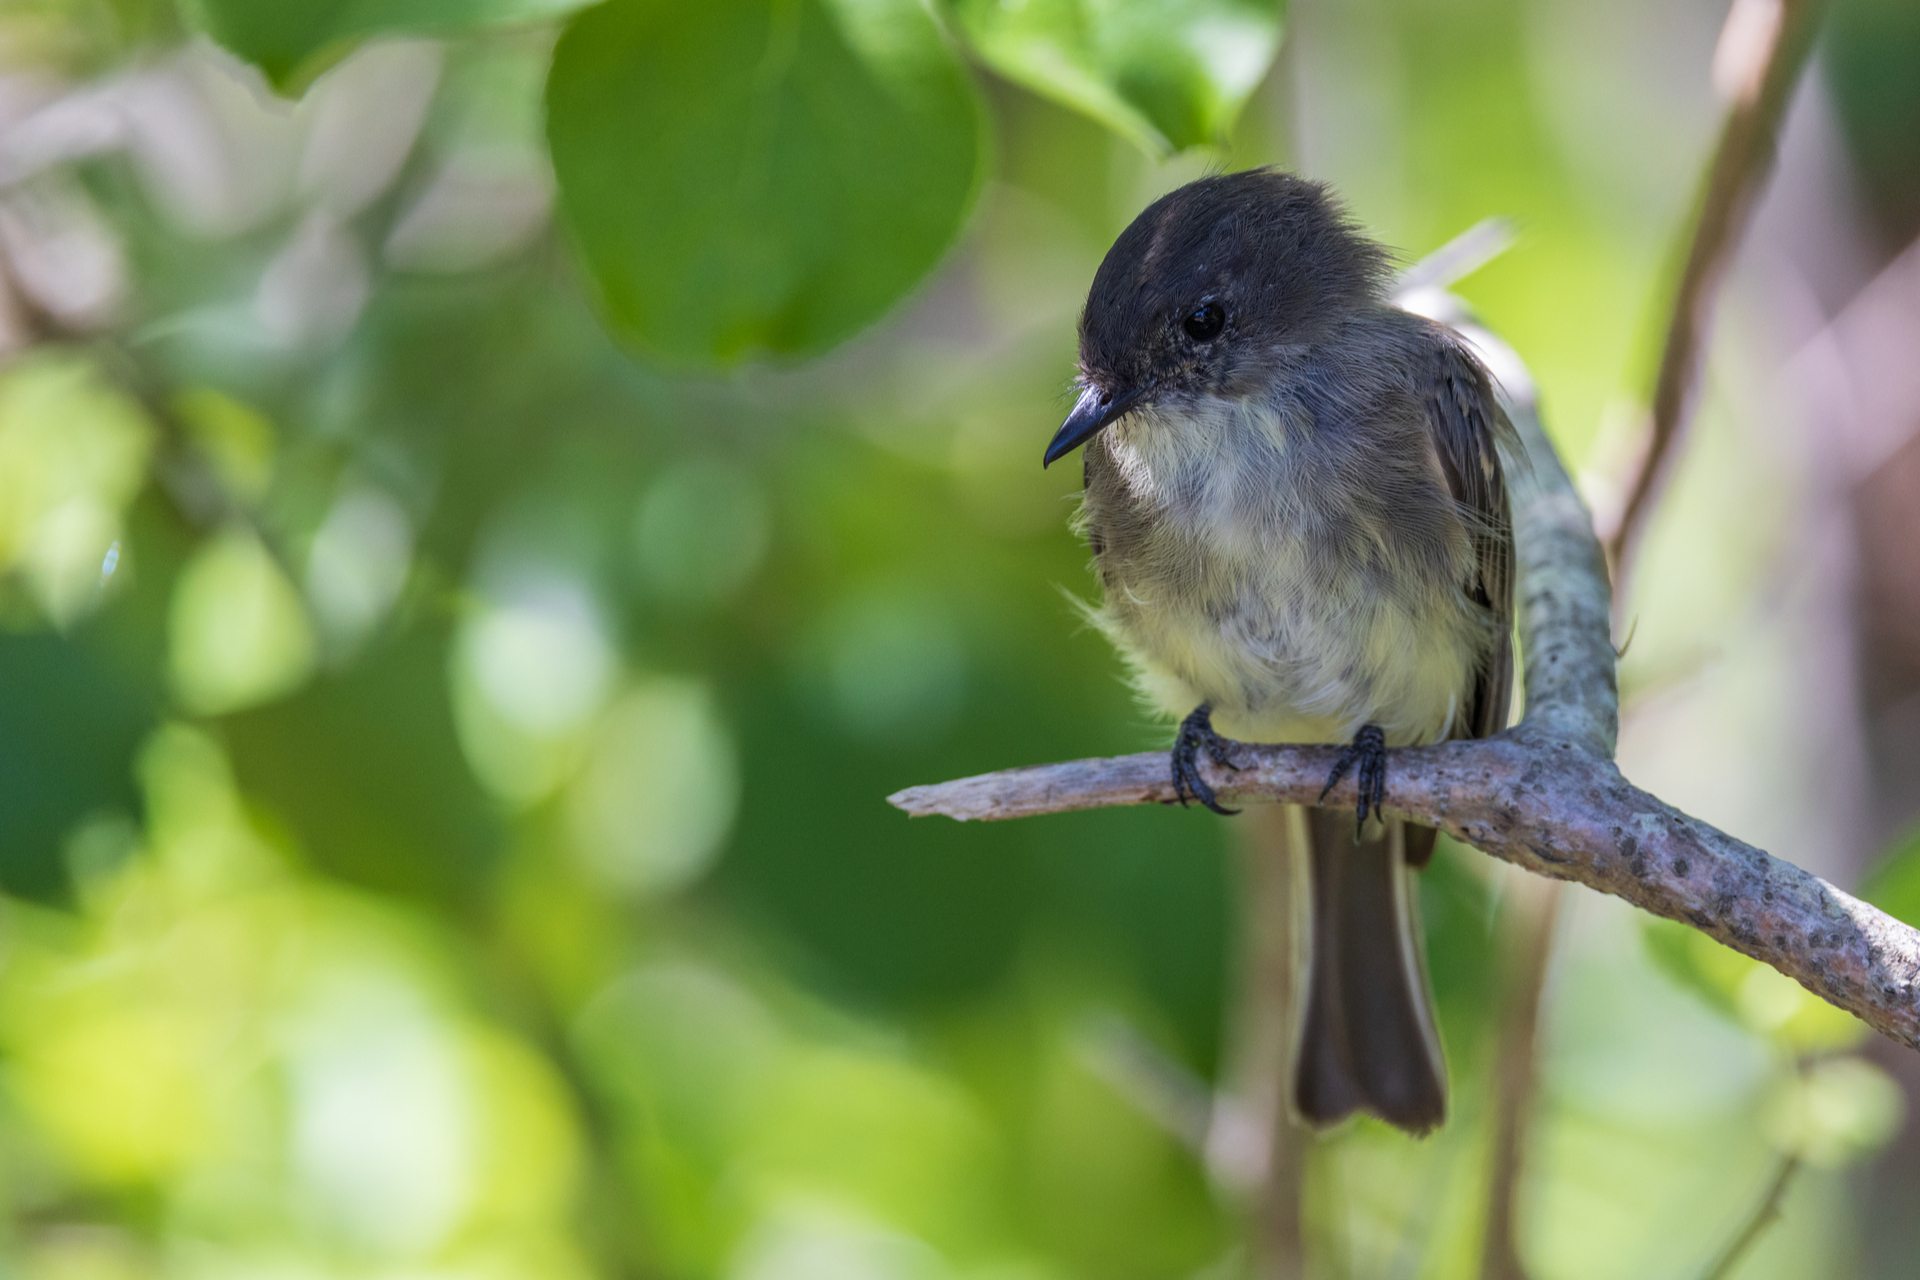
[
  {"x": 1275, "y": 673},
  {"x": 1225, "y": 595}
]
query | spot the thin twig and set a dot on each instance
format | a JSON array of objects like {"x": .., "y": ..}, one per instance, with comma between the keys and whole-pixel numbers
[
  {"x": 1458, "y": 258},
  {"x": 1158, "y": 1085},
  {"x": 1546, "y": 794},
  {"x": 1764, "y": 1215},
  {"x": 1762, "y": 50},
  {"x": 1532, "y": 909},
  {"x": 1256, "y": 1148},
  {"x": 1243, "y": 1130}
]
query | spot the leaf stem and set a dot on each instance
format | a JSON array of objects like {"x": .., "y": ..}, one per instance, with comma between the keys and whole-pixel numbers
[{"x": 1764, "y": 1214}]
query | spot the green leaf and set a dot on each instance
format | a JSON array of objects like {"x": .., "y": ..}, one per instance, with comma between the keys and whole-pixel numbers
[
  {"x": 1749, "y": 993},
  {"x": 69, "y": 723},
  {"x": 759, "y": 177},
  {"x": 1166, "y": 74},
  {"x": 365, "y": 769},
  {"x": 238, "y": 633},
  {"x": 1894, "y": 884},
  {"x": 73, "y": 453},
  {"x": 291, "y": 40}
]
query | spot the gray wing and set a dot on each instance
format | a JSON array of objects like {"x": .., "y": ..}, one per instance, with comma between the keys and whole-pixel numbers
[{"x": 1468, "y": 425}]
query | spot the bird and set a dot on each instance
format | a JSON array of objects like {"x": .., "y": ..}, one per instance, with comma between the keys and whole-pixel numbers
[{"x": 1294, "y": 496}]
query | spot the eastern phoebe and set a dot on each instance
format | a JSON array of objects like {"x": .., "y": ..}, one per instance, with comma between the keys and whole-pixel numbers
[{"x": 1297, "y": 513}]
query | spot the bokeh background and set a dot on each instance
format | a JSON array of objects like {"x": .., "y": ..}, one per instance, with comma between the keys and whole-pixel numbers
[{"x": 454, "y": 649}]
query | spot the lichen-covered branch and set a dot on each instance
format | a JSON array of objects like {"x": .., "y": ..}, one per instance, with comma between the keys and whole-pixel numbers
[
  {"x": 1544, "y": 804},
  {"x": 1545, "y": 795}
]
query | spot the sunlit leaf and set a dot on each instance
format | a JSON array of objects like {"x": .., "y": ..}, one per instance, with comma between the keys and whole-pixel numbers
[
  {"x": 236, "y": 439},
  {"x": 658, "y": 792},
  {"x": 1835, "y": 1111},
  {"x": 289, "y": 39},
  {"x": 759, "y": 177},
  {"x": 73, "y": 452},
  {"x": 116, "y": 1125},
  {"x": 868, "y": 1129},
  {"x": 1755, "y": 996},
  {"x": 237, "y": 633},
  {"x": 1709, "y": 974},
  {"x": 529, "y": 674},
  {"x": 1167, "y": 74},
  {"x": 1894, "y": 884}
]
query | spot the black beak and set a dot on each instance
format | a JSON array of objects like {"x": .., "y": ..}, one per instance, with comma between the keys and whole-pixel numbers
[{"x": 1096, "y": 409}]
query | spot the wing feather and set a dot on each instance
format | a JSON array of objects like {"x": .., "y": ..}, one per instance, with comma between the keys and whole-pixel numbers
[{"x": 1468, "y": 427}]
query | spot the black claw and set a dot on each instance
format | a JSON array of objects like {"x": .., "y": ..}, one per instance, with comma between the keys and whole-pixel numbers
[
  {"x": 1369, "y": 750},
  {"x": 1196, "y": 733}
]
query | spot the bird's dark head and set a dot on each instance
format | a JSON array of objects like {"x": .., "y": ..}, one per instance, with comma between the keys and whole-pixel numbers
[{"x": 1195, "y": 296}]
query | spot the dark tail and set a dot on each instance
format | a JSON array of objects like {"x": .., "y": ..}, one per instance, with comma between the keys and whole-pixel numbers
[{"x": 1367, "y": 1040}]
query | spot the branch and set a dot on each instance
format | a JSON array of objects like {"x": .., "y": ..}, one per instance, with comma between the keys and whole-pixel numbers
[
  {"x": 1545, "y": 795},
  {"x": 1763, "y": 1216},
  {"x": 1757, "y": 63},
  {"x": 1256, "y": 1149},
  {"x": 1531, "y": 910}
]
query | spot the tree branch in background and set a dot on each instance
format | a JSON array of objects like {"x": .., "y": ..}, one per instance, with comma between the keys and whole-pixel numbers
[
  {"x": 1764, "y": 1215},
  {"x": 1762, "y": 49},
  {"x": 1545, "y": 795},
  {"x": 1255, "y": 1148},
  {"x": 1531, "y": 910}
]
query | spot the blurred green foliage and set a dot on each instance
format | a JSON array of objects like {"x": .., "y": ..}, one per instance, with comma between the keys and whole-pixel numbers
[
  {"x": 442, "y": 751},
  {"x": 1870, "y": 51},
  {"x": 1894, "y": 884},
  {"x": 292, "y": 41},
  {"x": 821, "y": 153},
  {"x": 1166, "y": 74},
  {"x": 1752, "y": 994}
]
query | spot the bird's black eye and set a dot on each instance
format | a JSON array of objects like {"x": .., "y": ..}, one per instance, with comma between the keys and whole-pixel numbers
[{"x": 1204, "y": 322}]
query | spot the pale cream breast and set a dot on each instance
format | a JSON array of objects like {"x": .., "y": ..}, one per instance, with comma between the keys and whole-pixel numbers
[{"x": 1216, "y": 595}]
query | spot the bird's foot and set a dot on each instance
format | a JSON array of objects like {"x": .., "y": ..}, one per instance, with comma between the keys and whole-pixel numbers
[
  {"x": 1196, "y": 734},
  {"x": 1368, "y": 750}
]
